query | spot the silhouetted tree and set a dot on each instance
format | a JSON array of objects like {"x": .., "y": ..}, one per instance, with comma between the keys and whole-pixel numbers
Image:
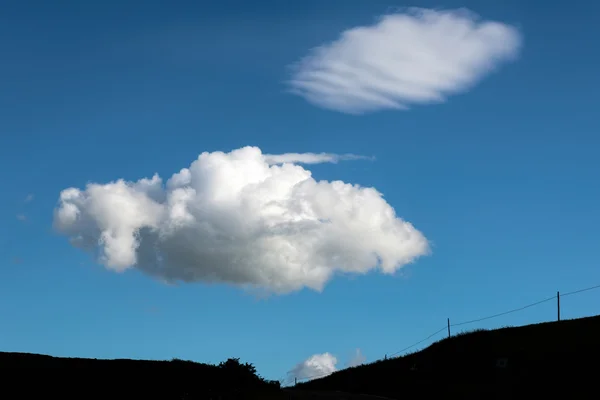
[{"x": 240, "y": 375}]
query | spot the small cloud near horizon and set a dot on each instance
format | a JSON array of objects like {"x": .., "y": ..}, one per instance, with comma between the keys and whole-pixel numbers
[
  {"x": 418, "y": 56},
  {"x": 315, "y": 366},
  {"x": 321, "y": 365}
]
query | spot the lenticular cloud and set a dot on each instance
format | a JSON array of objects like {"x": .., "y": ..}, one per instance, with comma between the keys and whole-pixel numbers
[
  {"x": 244, "y": 218},
  {"x": 418, "y": 56}
]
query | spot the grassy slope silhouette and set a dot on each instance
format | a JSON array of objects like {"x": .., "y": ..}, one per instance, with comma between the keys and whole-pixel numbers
[
  {"x": 176, "y": 379},
  {"x": 542, "y": 360},
  {"x": 532, "y": 361}
]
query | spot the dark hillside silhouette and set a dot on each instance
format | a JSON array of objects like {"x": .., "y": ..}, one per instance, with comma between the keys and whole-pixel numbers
[
  {"x": 534, "y": 361},
  {"x": 33, "y": 375},
  {"x": 548, "y": 360}
]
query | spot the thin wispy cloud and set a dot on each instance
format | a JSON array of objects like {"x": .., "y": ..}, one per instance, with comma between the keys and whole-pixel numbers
[
  {"x": 22, "y": 217},
  {"x": 312, "y": 158},
  {"x": 418, "y": 56},
  {"x": 29, "y": 198},
  {"x": 244, "y": 218},
  {"x": 358, "y": 358}
]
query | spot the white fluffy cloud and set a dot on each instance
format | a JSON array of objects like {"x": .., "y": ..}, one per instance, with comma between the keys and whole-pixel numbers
[
  {"x": 416, "y": 57},
  {"x": 321, "y": 365},
  {"x": 315, "y": 366},
  {"x": 240, "y": 218}
]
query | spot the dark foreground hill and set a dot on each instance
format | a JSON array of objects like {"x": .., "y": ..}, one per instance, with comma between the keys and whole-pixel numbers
[
  {"x": 41, "y": 376},
  {"x": 548, "y": 360},
  {"x": 35, "y": 376}
]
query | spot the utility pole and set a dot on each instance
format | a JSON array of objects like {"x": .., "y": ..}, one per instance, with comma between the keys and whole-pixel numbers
[
  {"x": 558, "y": 304},
  {"x": 448, "y": 327}
]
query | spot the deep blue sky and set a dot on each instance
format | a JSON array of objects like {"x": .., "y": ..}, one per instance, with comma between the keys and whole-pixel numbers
[{"x": 502, "y": 179}]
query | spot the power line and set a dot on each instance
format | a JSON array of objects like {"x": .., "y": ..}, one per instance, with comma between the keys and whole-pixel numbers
[
  {"x": 496, "y": 315},
  {"x": 419, "y": 342},
  {"x": 506, "y": 312},
  {"x": 473, "y": 321},
  {"x": 580, "y": 290},
  {"x": 527, "y": 306}
]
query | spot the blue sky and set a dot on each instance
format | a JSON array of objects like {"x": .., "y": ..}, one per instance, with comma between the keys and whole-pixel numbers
[{"x": 500, "y": 178}]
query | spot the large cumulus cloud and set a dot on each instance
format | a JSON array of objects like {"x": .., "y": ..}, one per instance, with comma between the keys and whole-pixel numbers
[{"x": 245, "y": 218}]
